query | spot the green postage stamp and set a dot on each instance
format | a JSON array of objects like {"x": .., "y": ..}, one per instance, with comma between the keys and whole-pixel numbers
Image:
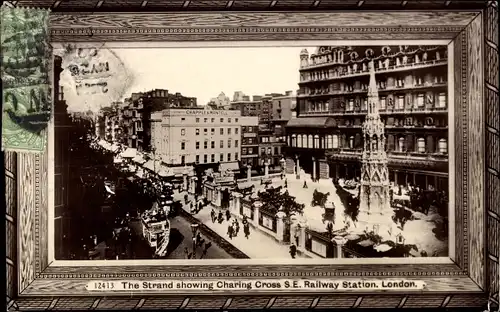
[{"x": 25, "y": 62}]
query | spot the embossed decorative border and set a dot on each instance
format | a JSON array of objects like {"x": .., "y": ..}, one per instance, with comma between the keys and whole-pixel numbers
[{"x": 449, "y": 285}]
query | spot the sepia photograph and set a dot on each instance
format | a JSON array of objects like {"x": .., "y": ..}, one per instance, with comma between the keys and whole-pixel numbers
[{"x": 251, "y": 152}]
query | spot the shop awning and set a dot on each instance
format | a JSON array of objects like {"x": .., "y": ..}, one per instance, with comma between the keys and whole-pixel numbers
[
  {"x": 129, "y": 153},
  {"x": 231, "y": 166},
  {"x": 138, "y": 158},
  {"x": 149, "y": 165},
  {"x": 164, "y": 172},
  {"x": 114, "y": 147},
  {"x": 140, "y": 173},
  {"x": 366, "y": 243}
]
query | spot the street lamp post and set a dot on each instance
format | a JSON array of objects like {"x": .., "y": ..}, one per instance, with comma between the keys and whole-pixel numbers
[{"x": 194, "y": 229}]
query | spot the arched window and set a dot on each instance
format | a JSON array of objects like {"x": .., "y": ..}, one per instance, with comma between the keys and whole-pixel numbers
[
  {"x": 351, "y": 141},
  {"x": 310, "y": 141},
  {"x": 327, "y": 107},
  {"x": 304, "y": 141},
  {"x": 316, "y": 141},
  {"x": 401, "y": 144},
  {"x": 294, "y": 140},
  {"x": 335, "y": 141},
  {"x": 443, "y": 146},
  {"x": 421, "y": 145},
  {"x": 329, "y": 141},
  {"x": 299, "y": 141}
]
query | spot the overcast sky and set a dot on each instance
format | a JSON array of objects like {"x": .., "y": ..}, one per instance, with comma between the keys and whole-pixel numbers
[{"x": 205, "y": 72}]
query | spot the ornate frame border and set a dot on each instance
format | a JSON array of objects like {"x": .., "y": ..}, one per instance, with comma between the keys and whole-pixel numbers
[{"x": 474, "y": 35}]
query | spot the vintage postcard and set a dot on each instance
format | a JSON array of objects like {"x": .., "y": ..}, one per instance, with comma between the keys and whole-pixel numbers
[{"x": 267, "y": 160}]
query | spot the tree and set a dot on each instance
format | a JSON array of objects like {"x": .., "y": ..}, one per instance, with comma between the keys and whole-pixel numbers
[{"x": 273, "y": 200}]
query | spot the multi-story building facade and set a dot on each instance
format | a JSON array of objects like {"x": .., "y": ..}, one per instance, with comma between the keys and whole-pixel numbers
[
  {"x": 201, "y": 136},
  {"x": 332, "y": 105},
  {"x": 249, "y": 140},
  {"x": 137, "y": 114},
  {"x": 246, "y": 106}
]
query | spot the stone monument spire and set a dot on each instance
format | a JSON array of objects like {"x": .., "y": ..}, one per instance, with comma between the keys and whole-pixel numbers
[{"x": 375, "y": 212}]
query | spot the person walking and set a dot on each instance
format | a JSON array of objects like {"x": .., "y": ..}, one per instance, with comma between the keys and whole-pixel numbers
[
  {"x": 246, "y": 229},
  {"x": 293, "y": 251},
  {"x": 230, "y": 231},
  {"x": 228, "y": 215},
  {"x": 212, "y": 214},
  {"x": 236, "y": 227},
  {"x": 220, "y": 217}
]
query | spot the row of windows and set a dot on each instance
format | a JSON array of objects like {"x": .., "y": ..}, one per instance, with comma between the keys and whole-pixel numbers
[
  {"x": 398, "y": 102},
  {"x": 212, "y": 120},
  {"x": 247, "y": 129},
  {"x": 212, "y": 131},
  {"x": 212, "y": 144},
  {"x": 212, "y": 158},
  {"x": 332, "y": 142}
]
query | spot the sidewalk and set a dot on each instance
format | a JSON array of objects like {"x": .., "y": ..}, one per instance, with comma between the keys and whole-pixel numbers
[{"x": 257, "y": 246}]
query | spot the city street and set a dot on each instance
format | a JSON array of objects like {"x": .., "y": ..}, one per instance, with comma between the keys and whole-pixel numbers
[{"x": 257, "y": 246}]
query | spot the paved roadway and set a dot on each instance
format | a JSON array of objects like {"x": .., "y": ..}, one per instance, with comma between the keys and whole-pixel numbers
[{"x": 180, "y": 239}]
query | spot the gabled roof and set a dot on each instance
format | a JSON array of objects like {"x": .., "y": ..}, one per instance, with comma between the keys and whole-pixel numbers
[{"x": 311, "y": 122}]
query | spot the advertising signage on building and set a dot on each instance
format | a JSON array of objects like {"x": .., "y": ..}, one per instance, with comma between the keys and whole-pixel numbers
[{"x": 200, "y": 112}]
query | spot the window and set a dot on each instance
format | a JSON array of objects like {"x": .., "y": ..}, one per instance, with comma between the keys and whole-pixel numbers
[
  {"x": 197, "y": 159},
  {"x": 183, "y": 119},
  {"x": 443, "y": 146},
  {"x": 244, "y": 151},
  {"x": 383, "y": 103},
  {"x": 420, "y": 100},
  {"x": 221, "y": 143},
  {"x": 205, "y": 119},
  {"x": 400, "y": 103},
  {"x": 442, "y": 100},
  {"x": 205, "y": 158},
  {"x": 235, "y": 143},
  {"x": 221, "y": 157},
  {"x": 243, "y": 128},
  {"x": 250, "y": 150},
  {"x": 419, "y": 81},
  {"x": 294, "y": 140},
  {"x": 183, "y": 131},
  {"x": 235, "y": 130},
  {"x": 212, "y": 131},
  {"x": 212, "y": 120},
  {"x": 183, "y": 159},
  {"x": 228, "y": 156},
  {"x": 269, "y": 151},
  {"x": 276, "y": 152},
  {"x": 197, "y": 131},
  {"x": 236, "y": 156},
  {"x": 205, "y": 144},
  {"x": 421, "y": 145},
  {"x": 236, "y": 120},
  {"x": 197, "y": 145},
  {"x": 222, "y": 120},
  {"x": 401, "y": 144},
  {"x": 197, "y": 119},
  {"x": 221, "y": 131},
  {"x": 329, "y": 141},
  {"x": 316, "y": 141},
  {"x": 310, "y": 141},
  {"x": 350, "y": 106},
  {"x": 365, "y": 104},
  {"x": 212, "y": 158},
  {"x": 351, "y": 142},
  {"x": 212, "y": 144},
  {"x": 250, "y": 140},
  {"x": 250, "y": 129},
  {"x": 400, "y": 83},
  {"x": 183, "y": 145},
  {"x": 229, "y": 120},
  {"x": 205, "y": 131},
  {"x": 229, "y": 143},
  {"x": 229, "y": 131}
]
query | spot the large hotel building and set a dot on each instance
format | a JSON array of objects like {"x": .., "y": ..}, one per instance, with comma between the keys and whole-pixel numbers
[
  {"x": 197, "y": 136},
  {"x": 326, "y": 138}
]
